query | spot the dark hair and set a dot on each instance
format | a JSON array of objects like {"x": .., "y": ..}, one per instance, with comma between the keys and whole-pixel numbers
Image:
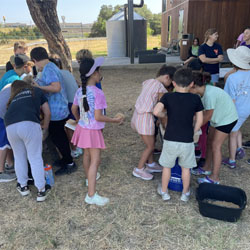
[
  {"x": 195, "y": 64},
  {"x": 198, "y": 40},
  {"x": 56, "y": 61},
  {"x": 247, "y": 28},
  {"x": 85, "y": 66},
  {"x": 39, "y": 53},
  {"x": 166, "y": 70},
  {"x": 201, "y": 79},
  {"x": 183, "y": 77}
]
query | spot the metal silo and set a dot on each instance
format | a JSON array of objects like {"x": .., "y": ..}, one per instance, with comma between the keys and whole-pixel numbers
[{"x": 116, "y": 34}]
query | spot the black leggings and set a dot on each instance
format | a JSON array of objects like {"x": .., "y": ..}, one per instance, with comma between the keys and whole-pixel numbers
[{"x": 60, "y": 139}]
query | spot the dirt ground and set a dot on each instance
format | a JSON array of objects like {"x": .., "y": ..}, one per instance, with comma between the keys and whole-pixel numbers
[{"x": 136, "y": 217}]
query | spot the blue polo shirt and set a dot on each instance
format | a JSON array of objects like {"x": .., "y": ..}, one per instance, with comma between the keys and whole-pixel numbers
[
  {"x": 211, "y": 52},
  {"x": 9, "y": 77}
]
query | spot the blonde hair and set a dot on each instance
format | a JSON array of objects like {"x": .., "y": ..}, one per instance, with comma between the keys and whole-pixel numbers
[
  {"x": 20, "y": 45},
  {"x": 82, "y": 54},
  {"x": 208, "y": 33}
]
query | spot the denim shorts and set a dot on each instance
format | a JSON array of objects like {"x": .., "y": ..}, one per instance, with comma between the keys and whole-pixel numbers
[{"x": 172, "y": 150}]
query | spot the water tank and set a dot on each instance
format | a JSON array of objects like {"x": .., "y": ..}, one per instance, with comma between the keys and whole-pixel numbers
[{"x": 116, "y": 34}]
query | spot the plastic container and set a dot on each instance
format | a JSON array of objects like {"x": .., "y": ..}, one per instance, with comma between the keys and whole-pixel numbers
[
  {"x": 220, "y": 193},
  {"x": 175, "y": 182},
  {"x": 49, "y": 177}
]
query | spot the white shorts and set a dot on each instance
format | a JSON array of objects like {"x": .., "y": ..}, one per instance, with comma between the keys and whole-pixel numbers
[{"x": 172, "y": 150}]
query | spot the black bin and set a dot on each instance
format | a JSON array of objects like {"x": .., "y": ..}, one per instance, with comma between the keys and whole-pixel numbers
[{"x": 220, "y": 193}]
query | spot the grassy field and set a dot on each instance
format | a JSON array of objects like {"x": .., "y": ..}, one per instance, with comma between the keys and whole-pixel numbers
[
  {"x": 136, "y": 218},
  {"x": 98, "y": 47}
]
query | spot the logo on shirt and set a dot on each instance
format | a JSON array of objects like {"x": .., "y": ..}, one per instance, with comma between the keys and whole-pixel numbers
[{"x": 216, "y": 51}]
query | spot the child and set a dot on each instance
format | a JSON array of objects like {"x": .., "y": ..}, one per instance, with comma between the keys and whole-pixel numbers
[
  {"x": 221, "y": 112},
  {"x": 25, "y": 134},
  {"x": 91, "y": 121},
  {"x": 238, "y": 87},
  {"x": 143, "y": 120},
  {"x": 181, "y": 107}
]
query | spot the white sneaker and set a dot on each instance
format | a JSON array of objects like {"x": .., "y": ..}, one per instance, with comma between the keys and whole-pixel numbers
[
  {"x": 98, "y": 176},
  {"x": 143, "y": 174},
  {"x": 165, "y": 196},
  {"x": 185, "y": 197},
  {"x": 96, "y": 200},
  {"x": 74, "y": 153},
  {"x": 155, "y": 169}
]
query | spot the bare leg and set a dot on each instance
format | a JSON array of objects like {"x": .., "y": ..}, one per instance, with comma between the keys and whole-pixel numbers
[
  {"x": 209, "y": 155},
  {"x": 86, "y": 161},
  {"x": 166, "y": 174},
  {"x": 10, "y": 157},
  {"x": 239, "y": 139},
  {"x": 232, "y": 145},
  {"x": 3, "y": 154},
  {"x": 95, "y": 158},
  {"x": 219, "y": 138},
  {"x": 185, "y": 175},
  {"x": 147, "y": 154},
  {"x": 70, "y": 133}
]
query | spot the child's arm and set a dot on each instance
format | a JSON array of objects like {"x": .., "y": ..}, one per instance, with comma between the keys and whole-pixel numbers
[
  {"x": 207, "y": 115},
  {"x": 54, "y": 87},
  {"x": 103, "y": 118},
  {"x": 74, "y": 110},
  {"x": 46, "y": 113},
  {"x": 158, "y": 110},
  {"x": 199, "y": 121}
]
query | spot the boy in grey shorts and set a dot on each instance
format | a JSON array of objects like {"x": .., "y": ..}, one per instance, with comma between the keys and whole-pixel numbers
[{"x": 181, "y": 107}]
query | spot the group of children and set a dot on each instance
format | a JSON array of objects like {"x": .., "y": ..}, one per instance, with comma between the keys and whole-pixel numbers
[{"x": 182, "y": 100}]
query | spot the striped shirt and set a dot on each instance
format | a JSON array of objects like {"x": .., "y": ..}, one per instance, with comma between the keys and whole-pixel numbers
[{"x": 149, "y": 95}]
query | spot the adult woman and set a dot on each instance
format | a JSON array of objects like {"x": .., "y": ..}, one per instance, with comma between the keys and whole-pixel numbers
[
  {"x": 211, "y": 54},
  {"x": 193, "y": 51}
]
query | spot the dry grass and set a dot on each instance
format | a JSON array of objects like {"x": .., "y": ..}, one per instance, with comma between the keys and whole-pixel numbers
[
  {"x": 98, "y": 47},
  {"x": 136, "y": 217}
]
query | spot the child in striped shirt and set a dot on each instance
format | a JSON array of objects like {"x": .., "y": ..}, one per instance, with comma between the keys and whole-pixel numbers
[{"x": 143, "y": 120}]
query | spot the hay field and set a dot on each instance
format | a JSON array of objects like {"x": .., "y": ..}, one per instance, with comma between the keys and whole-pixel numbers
[
  {"x": 97, "y": 46},
  {"x": 136, "y": 217}
]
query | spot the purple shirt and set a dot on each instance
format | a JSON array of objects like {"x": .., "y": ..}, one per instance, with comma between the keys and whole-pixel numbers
[{"x": 96, "y": 100}]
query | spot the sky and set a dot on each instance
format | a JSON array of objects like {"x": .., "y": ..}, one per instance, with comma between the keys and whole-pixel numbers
[{"x": 84, "y": 11}]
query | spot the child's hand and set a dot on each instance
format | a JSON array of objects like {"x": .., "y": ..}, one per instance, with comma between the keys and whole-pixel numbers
[{"x": 119, "y": 118}]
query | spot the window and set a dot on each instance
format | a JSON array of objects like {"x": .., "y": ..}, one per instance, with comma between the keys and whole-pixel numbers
[
  {"x": 169, "y": 28},
  {"x": 164, "y": 5}
]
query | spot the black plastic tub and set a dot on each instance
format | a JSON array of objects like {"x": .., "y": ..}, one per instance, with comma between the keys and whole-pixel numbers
[{"x": 207, "y": 191}]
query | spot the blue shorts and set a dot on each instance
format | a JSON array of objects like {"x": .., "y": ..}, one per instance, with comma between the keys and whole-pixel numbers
[
  {"x": 4, "y": 143},
  {"x": 215, "y": 78}
]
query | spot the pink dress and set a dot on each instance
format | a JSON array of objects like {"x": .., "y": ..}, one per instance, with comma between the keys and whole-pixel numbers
[
  {"x": 88, "y": 132},
  {"x": 143, "y": 119}
]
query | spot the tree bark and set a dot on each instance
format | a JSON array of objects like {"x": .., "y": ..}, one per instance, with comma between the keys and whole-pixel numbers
[{"x": 44, "y": 15}]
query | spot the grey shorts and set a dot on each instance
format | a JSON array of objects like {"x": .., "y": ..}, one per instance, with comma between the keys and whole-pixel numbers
[{"x": 172, "y": 150}]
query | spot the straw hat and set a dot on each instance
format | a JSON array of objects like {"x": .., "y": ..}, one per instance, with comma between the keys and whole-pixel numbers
[{"x": 240, "y": 57}]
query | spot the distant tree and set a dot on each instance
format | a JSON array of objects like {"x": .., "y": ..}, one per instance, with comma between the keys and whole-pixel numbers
[
  {"x": 155, "y": 24},
  {"x": 45, "y": 17},
  {"x": 99, "y": 27}
]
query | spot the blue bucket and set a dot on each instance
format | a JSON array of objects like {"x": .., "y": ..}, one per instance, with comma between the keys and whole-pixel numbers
[{"x": 175, "y": 182}]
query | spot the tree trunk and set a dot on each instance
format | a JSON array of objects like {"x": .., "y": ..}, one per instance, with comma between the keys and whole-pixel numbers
[{"x": 45, "y": 17}]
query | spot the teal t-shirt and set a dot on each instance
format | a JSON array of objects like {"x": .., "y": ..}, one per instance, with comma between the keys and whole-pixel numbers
[
  {"x": 224, "y": 108},
  {"x": 9, "y": 77}
]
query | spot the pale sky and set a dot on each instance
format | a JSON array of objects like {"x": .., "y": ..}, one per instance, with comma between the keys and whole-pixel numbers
[{"x": 85, "y": 11}]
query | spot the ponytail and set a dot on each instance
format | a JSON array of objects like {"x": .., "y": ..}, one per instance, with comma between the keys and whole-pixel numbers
[{"x": 84, "y": 80}]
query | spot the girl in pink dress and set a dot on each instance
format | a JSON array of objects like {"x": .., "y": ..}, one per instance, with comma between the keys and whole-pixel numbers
[{"x": 91, "y": 121}]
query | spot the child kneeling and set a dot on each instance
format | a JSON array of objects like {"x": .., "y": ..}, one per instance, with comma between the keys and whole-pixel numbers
[{"x": 181, "y": 107}]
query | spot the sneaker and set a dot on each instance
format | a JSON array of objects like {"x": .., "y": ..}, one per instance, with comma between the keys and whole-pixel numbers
[
  {"x": 6, "y": 177},
  {"x": 67, "y": 169},
  {"x": 157, "y": 151},
  {"x": 246, "y": 144},
  {"x": 185, "y": 197},
  {"x": 58, "y": 163},
  {"x": 42, "y": 195},
  {"x": 226, "y": 162},
  {"x": 197, "y": 154},
  {"x": 143, "y": 174},
  {"x": 74, "y": 153},
  {"x": 164, "y": 195},
  {"x": 9, "y": 169},
  {"x": 240, "y": 154},
  {"x": 96, "y": 199},
  {"x": 200, "y": 171},
  {"x": 206, "y": 179},
  {"x": 98, "y": 176},
  {"x": 79, "y": 151},
  {"x": 30, "y": 181},
  {"x": 23, "y": 190},
  {"x": 155, "y": 169}
]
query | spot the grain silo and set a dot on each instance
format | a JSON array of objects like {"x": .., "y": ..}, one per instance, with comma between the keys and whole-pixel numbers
[{"x": 116, "y": 34}]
